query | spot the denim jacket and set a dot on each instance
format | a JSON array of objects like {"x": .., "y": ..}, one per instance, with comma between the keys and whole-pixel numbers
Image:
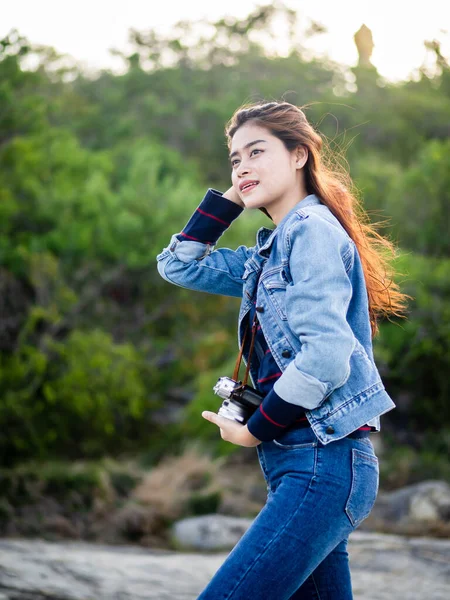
[{"x": 312, "y": 307}]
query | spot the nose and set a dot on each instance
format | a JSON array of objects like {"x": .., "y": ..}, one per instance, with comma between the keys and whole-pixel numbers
[{"x": 242, "y": 169}]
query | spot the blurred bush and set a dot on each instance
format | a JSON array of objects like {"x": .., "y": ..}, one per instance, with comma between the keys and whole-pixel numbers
[
  {"x": 82, "y": 397},
  {"x": 98, "y": 354},
  {"x": 404, "y": 464},
  {"x": 414, "y": 354},
  {"x": 421, "y": 205}
]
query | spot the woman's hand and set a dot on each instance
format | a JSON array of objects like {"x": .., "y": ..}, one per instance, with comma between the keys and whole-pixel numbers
[
  {"x": 231, "y": 431},
  {"x": 232, "y": 195}
]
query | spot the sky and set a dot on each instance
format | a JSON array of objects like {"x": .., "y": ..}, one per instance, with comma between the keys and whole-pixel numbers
[{"x": 87, "y": 29}]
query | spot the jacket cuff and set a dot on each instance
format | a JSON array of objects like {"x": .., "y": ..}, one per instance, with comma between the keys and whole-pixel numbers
[
  {"x": 273, "y": 416},
  {"x": 211, "y": 218},
  {"x": 295, "y": 384}
]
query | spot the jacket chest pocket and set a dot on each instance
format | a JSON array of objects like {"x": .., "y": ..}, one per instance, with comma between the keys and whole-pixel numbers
[{"x": 275, "y": 285}]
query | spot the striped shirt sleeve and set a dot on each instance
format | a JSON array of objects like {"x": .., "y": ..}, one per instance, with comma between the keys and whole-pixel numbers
[
  {"x": 211, "y": 218},
  {"x": 273, "y": 416}
]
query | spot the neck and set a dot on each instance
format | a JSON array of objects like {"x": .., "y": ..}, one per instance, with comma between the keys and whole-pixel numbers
[{"x": 285, "y": 205}]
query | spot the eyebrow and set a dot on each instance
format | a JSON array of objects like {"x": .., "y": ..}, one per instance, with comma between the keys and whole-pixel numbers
[{"x": 247, "y": 146}]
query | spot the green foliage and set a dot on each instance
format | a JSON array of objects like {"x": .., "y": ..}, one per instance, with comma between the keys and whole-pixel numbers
[
  {"x": 376, "y": 180},
  {"x": 78, "y": 397},
  {"x": 23, "y": 107},
  {"x": 423, "y": 201},
  {"x": 412, "y": 204},
  {"x": 123, "y": 482},
  {"x": 203, "y": 504},
  {"x": 68, "y": 206},
  {"x": 64, "y": 198},
  {"x": 75, "y": 485},
  {"x": 193, "y": 425},
  {"x": 415, "y": 354},
  {"x": 96, "y": 174},
  {"x": 405, "y": 465}
]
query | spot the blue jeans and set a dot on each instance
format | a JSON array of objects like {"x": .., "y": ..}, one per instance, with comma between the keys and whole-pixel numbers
[{"x": 296, "y": 548}]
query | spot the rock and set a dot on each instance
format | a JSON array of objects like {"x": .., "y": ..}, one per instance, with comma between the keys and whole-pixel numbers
[
  {"x": 134, "y": 521},
  {"x": 431, "y": 501},
  {"x": 209, "y": 532},
  {"x": 61, "y": 526},
  {"x": 383, "y": 567},
  {"x": 424, "y": 502}
]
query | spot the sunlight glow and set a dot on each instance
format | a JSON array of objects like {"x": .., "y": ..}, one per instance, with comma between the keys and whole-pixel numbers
[{"x": 87, "y": 30}]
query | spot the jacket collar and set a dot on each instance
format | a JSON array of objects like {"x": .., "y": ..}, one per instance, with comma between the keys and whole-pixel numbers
[{"x": 265, "y": 236}]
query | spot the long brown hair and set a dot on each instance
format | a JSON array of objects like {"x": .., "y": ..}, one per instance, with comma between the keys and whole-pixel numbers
[{"x": 329, "y": 180}]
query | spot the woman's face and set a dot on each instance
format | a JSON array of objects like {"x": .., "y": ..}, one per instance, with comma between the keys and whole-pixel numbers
[{"x": 264, "y": 172}]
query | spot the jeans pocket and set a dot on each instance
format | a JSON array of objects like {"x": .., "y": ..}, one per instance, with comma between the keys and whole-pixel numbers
[
  {"x": 296, "y": 438},
  {"x": 287, "y": 446},
  {"x": 364, "y": 488}
]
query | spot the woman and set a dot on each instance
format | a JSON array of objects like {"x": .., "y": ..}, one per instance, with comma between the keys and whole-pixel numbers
[{"x": 313, "y": 287}]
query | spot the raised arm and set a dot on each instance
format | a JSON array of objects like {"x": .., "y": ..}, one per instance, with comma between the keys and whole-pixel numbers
[{"x": 190, "y": 260}]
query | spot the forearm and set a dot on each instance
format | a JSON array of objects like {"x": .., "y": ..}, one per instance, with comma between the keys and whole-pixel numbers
[
  {"x": 190, "y": 260},
  {"x": 273, "y": 416},
  {"x": 211, "y": 218}
]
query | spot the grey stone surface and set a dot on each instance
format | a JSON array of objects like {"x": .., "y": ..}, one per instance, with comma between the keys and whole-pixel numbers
[
  {"x": 383, "y": 567},
  {"x": 210, "y": 532},
  {"x": 420, "y": 502}
]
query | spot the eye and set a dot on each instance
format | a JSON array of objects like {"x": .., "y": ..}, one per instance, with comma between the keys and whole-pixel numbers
[{"x": 234, "y": 161}]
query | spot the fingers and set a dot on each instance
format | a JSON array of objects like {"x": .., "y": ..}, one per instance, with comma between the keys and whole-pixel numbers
[
  {"x": 214, "y": 418},
  {"x": 217, "y": 420},
  {"x": 209, "y": 416},
  {"x": 230, "y": 430}
]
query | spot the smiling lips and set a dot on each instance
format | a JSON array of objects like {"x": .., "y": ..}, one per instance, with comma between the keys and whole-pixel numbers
[{"x": 248, "y": 185}]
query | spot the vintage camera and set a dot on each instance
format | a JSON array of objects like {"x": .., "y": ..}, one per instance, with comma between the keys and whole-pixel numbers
[{"x": 240, "y": 401}]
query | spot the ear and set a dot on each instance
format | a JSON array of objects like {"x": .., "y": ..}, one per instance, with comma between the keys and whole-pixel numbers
[{"x": 301, "y": 156}]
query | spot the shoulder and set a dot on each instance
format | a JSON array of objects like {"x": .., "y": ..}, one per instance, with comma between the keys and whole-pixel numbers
[
  {"x": 314, "y": 235},
  {"x": 315, "y": 224}
]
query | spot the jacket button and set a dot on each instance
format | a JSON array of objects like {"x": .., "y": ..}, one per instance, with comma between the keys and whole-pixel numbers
[
  {"x": 286, "y": 353},
  {"x": 259, "y": 309},
  {"x": 330, "y": 429}
]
